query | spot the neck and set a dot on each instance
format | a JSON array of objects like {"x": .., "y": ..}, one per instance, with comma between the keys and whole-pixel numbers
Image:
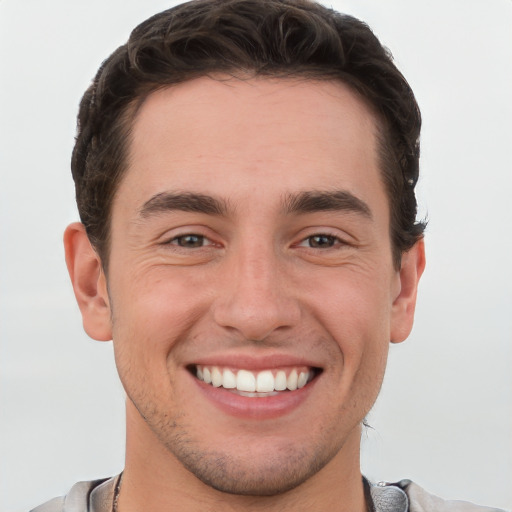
[{"x": 155, "y": 480}]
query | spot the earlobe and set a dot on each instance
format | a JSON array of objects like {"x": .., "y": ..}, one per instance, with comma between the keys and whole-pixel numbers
[
  {"x": 404, "y": 304},
  {"x": 89, "y": 282}
]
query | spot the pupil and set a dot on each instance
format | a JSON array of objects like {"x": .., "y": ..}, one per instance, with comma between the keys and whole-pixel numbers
[
  {"x": 190, "y": 241},
  {"x": 321, "y": 241}
]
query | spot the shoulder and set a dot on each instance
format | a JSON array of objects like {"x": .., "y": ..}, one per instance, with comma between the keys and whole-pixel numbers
[
  {"x": 422, "y": 501},
  {"x": 93, "y": 496}
]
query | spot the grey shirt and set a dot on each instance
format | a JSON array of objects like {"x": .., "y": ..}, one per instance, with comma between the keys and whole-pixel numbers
[{"x": 403, "y": 496}]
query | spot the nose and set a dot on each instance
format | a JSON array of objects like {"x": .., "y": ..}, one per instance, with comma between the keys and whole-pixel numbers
[{"x": 255, "y": 296}]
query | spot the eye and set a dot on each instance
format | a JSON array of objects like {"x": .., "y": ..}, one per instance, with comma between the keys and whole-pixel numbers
[
  {"x": 190, "y": 241},
  {"x": 320, "y": 241}
]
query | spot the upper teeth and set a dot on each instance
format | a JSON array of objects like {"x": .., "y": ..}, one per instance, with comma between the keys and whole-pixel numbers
[{"x": 264, "y": 381}]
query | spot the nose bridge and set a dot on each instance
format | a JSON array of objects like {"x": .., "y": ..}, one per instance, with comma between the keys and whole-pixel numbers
[
  {"x": 254, "y": 300},
  {"x": 257, "y": 265}
]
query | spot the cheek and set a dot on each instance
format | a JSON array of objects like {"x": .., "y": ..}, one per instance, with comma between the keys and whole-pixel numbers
[
  {"x": 355, "y": 311},
  {"x": 356, "y": 308},
  {"x": 152, "y": 317},
  {"x": 161, "y": 302}
]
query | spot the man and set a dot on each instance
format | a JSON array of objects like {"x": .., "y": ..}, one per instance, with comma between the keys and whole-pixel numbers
[{"x": 245, "y": 176}]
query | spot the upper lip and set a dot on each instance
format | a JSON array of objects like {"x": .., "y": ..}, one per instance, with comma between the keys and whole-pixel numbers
[{"x": 255, "y": 363}]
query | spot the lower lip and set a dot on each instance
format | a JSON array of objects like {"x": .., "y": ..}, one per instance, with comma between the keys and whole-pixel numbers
[{"x": 268, "y": 407}]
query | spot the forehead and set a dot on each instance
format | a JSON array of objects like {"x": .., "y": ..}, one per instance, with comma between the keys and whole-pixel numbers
[{"x": 229, "y": 136}]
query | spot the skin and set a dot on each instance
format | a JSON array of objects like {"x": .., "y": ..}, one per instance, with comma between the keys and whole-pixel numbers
[{"x": 256, "y": 288}]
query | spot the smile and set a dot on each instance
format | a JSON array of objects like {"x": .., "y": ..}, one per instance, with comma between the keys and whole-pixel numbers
[{"x": 255, "y": 384}]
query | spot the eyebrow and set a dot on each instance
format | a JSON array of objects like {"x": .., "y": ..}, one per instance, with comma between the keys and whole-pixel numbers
[
  {"x": 185, "y": 202},
  {"x": 321, "y": 201},
  {"x": 299, "y": 203}
]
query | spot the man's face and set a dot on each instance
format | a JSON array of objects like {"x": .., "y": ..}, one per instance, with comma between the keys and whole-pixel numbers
[{"x": 250, "y": 245}]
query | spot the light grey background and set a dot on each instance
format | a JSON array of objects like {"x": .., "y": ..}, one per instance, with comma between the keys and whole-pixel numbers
[{"x": 444, "y": 417}]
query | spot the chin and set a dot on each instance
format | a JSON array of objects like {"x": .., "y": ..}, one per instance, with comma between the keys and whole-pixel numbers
[{"x": 253, "y": 476}]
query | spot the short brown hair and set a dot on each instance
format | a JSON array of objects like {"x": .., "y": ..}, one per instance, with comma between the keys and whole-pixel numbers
[{"x": 274, "y": 38}]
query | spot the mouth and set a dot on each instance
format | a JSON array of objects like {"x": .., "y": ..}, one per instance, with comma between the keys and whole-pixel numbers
[{"x": 255, "y": 384}]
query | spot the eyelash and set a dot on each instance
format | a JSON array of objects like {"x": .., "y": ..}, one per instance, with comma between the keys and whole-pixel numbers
[
  {"x": 200, "y": 238},
  {"x": 331, "y": 240}
]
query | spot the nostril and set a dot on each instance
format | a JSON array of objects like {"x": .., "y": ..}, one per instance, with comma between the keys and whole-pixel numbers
[{"x": 254, "y": 326}]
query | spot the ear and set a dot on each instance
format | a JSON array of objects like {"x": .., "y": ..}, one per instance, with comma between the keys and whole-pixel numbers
[
  {"x": 404, "y": 304},
  {"x": 89, "y": 282}
]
